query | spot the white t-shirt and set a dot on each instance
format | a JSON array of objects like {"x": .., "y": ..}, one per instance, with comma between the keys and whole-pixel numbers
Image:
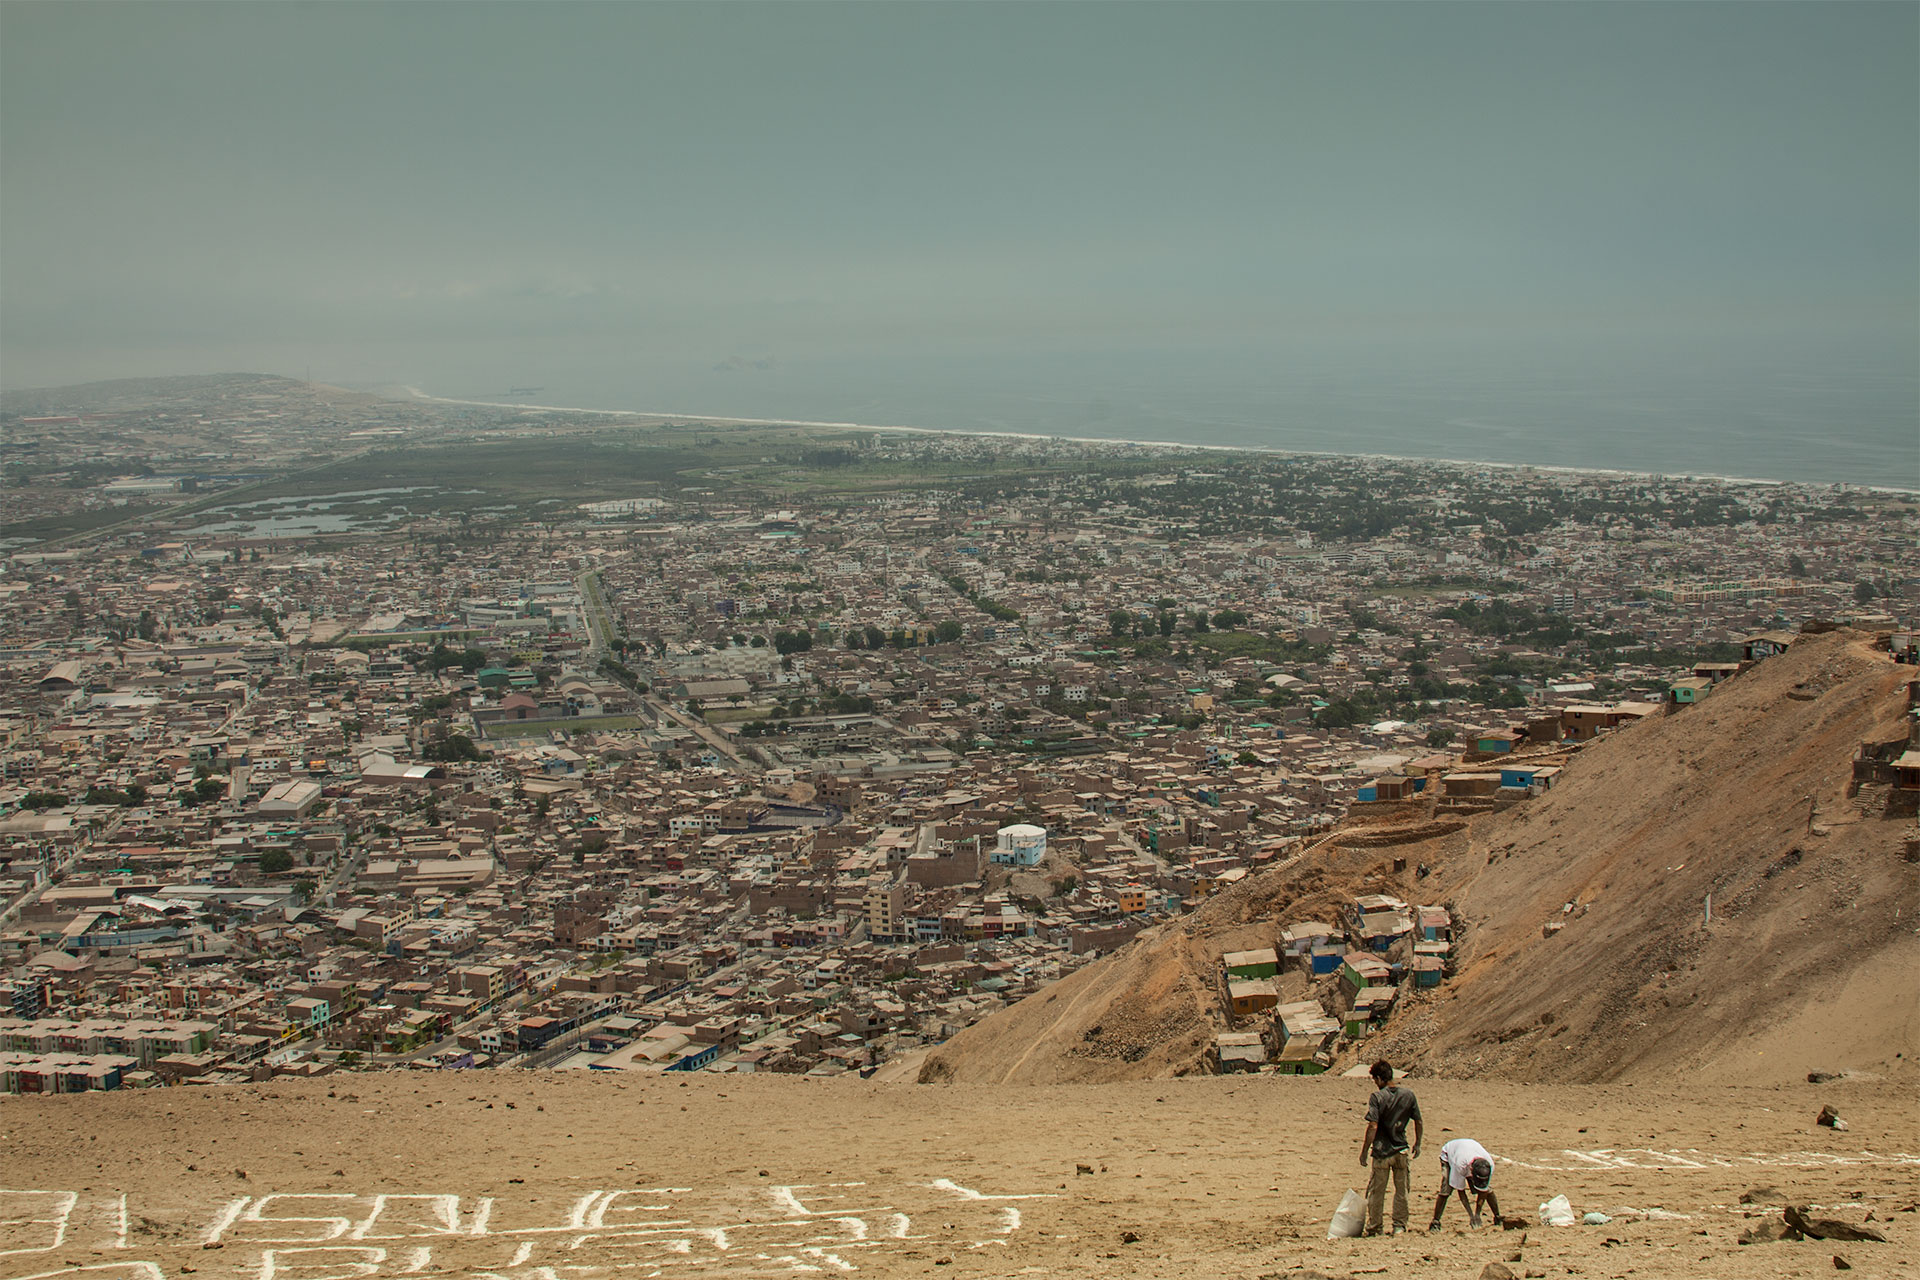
[{"x": 1458, "y": 1156}]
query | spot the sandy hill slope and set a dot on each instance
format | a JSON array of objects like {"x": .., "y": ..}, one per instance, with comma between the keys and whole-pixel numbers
[
  {"x": 1807, "y": 964},
  {"x": 1810, "y": 959},
  {"x": 602, "y": 1176}
]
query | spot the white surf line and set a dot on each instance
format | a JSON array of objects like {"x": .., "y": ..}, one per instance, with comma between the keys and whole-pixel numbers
[{"x": 1555, "y": 468}]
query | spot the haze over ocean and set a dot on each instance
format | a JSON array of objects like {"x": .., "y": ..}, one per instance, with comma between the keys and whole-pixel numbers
[
  {"x": 1652, "y": 237},
  {"x": 1765, "y": 411}
]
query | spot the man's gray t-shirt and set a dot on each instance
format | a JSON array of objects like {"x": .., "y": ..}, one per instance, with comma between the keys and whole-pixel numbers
[{"x": 1388, "y": 1112}]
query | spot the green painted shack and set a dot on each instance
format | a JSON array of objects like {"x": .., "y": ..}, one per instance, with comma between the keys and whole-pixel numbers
[{"x": 1264, "y": 963}]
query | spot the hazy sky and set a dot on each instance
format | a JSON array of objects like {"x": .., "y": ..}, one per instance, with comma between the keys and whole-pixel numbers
[{"x": 411, "y": 191}]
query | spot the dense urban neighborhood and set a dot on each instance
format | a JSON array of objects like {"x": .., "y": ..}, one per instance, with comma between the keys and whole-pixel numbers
[{"x": 344, "y": 732}]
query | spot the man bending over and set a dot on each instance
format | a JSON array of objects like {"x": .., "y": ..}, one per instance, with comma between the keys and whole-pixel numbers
[{"x": 1465, "y": 1164}]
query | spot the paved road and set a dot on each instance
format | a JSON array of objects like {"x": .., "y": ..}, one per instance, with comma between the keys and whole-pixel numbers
[
  {"x": 599, "y": 625},
  {"x": 705, "y": 732},
  {"x": 32, "y": 896}
]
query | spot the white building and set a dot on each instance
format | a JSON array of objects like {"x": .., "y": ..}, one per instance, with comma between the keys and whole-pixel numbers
[
  {"x": 290, "y": 800},
  {"x": 1021, "y": 845}
]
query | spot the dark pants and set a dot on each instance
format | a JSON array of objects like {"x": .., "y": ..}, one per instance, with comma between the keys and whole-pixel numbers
[{"x": 1401, "y": 1167}]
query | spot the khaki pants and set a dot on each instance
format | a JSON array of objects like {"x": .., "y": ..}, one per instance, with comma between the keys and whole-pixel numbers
[{"x": 1401, "y": 1167}]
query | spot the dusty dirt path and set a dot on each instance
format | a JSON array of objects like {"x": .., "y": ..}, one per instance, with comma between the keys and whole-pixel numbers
[{"x": 1047, "y": 1037}]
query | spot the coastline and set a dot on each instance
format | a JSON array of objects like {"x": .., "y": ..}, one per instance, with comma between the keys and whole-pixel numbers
[{"x": 1615, "y": 473}]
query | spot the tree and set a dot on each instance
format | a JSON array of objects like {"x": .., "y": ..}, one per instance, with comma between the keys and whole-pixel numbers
[
  {"x": 274, "y": 861},
  {"x": 1341, "y": 713},
  {"x": 1439, "y": 737},
  {"x": 1863, "y": 591},
  {"x": 1120, "y": 621},
  {"x": 948, "y": 631},
  {"x": 1796, "y": 566},
  {"x": 455, "y": 746},
  {"x": 132, "y": 795}
]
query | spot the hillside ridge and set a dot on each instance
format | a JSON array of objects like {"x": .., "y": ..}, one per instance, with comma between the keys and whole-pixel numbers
[{"x": 1584, "y": 950}]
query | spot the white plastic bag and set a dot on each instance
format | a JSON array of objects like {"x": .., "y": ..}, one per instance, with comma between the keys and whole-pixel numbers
[
  {"x": 1348, "y": 1218},
  {"x": 1596, "y": 1219},
  {"x": 1558, "y": 1212}
]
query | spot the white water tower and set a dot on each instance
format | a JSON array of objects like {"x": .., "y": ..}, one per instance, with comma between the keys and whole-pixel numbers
[{"x": 1020, "y": 845}]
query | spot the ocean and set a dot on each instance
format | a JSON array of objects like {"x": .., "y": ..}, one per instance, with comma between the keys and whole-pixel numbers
[{"x": 1770, "y": 412}]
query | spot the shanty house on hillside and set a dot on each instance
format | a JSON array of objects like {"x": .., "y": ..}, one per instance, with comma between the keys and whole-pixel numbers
[
  {"x": 1239, "y": 1051},
  {"x": 1379, "y": 921},
  {"x": 1251, "y": 964},
  {"x": 1249, "y": 996},
  {"x": 1764, "y": 644}
]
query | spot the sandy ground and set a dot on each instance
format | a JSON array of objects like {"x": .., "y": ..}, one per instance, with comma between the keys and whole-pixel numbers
[{"x": 545, "y": 1177}]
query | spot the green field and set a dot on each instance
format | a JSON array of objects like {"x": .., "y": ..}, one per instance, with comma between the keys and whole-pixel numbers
[
  {"x": 569, "y": 470},
  {"x": 547, "y": 473},
  {"x": 71, "y": 523},
  {"x": 510, "y": 729},
  {"x": 555, "y": 474}
]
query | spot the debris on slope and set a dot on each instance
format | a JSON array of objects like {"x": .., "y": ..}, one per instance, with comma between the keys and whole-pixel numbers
[
  {"x": 1693, "y": 882},
  {"x": 1728, "y": 879}
]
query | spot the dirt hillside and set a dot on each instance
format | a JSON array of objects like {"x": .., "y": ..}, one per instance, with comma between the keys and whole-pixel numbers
[
  {"x": 1809, "y": 961},
  {"x": 1806, "y": 964}
]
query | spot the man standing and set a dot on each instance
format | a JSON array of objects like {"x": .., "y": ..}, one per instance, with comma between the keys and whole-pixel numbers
[{"x": 1386, "y": 1140}]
